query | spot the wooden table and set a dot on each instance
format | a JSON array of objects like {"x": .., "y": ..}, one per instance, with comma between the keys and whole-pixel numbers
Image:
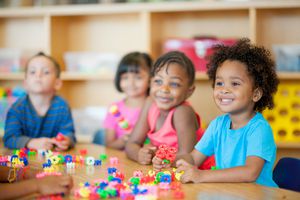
[{"x": 203, "y": 191}]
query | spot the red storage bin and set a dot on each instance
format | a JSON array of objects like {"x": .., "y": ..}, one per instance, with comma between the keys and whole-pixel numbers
[{"x": 196, "y": 49}]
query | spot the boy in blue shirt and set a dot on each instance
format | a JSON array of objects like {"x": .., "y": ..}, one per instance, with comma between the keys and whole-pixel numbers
[
  {"x": 34, "y": 120},
  {"x": 244, "y": 82}
]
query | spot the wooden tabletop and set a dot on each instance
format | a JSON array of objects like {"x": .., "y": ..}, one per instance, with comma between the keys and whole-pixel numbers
[{"x": 202, "y": 191}]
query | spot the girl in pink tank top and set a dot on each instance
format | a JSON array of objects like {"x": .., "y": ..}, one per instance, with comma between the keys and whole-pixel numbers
[
  {"x": 166, "y": 117},
  {"x": 132, "y": 78}
]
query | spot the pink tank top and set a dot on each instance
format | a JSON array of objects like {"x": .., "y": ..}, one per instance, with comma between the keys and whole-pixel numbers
[{"x": 167, "y": 134}]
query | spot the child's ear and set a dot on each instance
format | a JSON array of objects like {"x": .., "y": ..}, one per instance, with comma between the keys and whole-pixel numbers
[
  {"x": 58, "y": 84},
  {"x": 257, "y": 94},
  {"x": 191, "y": 91}
]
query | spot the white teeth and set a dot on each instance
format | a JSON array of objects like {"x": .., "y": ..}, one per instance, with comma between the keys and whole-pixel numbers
[{"x": 226, "y": 100}]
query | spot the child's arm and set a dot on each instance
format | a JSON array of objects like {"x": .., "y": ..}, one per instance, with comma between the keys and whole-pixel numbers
[
  {"x": 194, "y": 158},
  {"x": 247, "y": 173},
  {"x": 113, "y": 142},
  {"x": 13, "y": 137},
  {"x": 44, "y": 186},
  {"x": 186, "y": 125},
  {"x": 40, "y": 143},
  {"x": 133, "y": 147},
  {"x": 67, "y": 129}
]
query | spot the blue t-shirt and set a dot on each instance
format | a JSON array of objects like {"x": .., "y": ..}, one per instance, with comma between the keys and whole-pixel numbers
[
  {"x": 23, "y": 123},
  {"x": 231, "y": 147}
]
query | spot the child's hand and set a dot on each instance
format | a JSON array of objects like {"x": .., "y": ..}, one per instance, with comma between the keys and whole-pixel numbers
[
  {"x": 158, "y": 164},
  {"x": 146, "y": 154},
  {"x": 54, "y": 185},
  {"x": 62, "y": 145},
  {"x": 125, "y": 137},
  {"x": 191, "y": 173},
  {"x": 40, "y": 143},
  {"x": 29, "y": 172}
]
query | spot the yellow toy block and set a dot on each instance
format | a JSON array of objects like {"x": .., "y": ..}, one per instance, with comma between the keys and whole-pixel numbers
[{"x": 294, "y": 134}]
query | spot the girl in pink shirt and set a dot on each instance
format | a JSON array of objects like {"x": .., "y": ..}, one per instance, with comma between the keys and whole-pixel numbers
[
  {"x": 132, "y": 78},
  {"x": 166, "y": 117}
]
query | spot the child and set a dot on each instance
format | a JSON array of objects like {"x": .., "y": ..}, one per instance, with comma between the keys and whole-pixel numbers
[
  {"x": 166, "y": 117},
  {"x": 43, "y": 186},
  {"x": 132, "y": 78},
  {"x": 244, "y": 82},
  {"x": 35, "y": 119}
]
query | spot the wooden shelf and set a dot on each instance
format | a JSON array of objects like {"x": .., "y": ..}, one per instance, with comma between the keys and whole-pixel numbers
[
  {"x": 288, "y": 145},
  {"x": 289, "y": 75},
  {"x": 66, "y": 76},
  {"x": 119, "y": 8},
  {"x": 74, "y": 76},
  {"x": 4, "y": 76},
  {"x": 69, "y": 76}
]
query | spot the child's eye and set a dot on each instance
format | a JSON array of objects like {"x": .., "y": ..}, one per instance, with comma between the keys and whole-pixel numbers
[
  {"x": 174, "y": 84},
  {"x": 236, "y": 84},
  {"x": 138, "y": 77},
  {"x": 219, "y": 83},
  {"x": 46, "y": 72},
  {"x": 31, "y": 72},
  {"x": 157, "y": 81},
  {"x": 124, "y": 77}
]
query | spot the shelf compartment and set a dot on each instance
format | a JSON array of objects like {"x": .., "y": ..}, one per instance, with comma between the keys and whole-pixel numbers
[
  {"x": 221, "y": 24},
  {"x": 74, "y": 76},
  {"x": 120, "y": 33},
  {"x": 23, "y": 33},
  {"x": 278, "y": 26}
]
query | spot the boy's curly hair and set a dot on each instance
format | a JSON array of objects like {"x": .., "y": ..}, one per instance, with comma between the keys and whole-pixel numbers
[
  {"x": 259, "y": 65},
  {"x": 175, "y": 57}
]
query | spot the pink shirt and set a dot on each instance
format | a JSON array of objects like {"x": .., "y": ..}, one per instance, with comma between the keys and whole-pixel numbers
[
  {"x": 130, "y": 115},
  {"x": 167, "y": 134}
]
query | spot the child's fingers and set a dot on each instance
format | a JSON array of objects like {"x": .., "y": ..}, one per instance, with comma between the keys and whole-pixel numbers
[
  {"x": 182, "y": 168},
  {"x": 184, "y": 178},
  {"x": 48, "y": 146},
  {"x": 181, "y": 162},
  {"x": 61, "y": 145},
  {"x": 157, "y": 160},
  {"x": 157, "y": 167},
  {"x": 146, "y": 150},
  {"x": 146, "y": 159},
  {"x": 58, "y": 149},
  {"x": 67, "y": 181},
  {"x": 152, "y": 149}
]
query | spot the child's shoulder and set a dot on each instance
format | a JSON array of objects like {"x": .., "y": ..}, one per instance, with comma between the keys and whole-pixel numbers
[
  {"x": 184, "y": 110},
  {"x": 60, "y": 101},
  {"x": 118, "y": 103},
  {"x": 20, "y": 102},
  {"x": 220, "y": 121},
  {"x": 258, "y": 121}
]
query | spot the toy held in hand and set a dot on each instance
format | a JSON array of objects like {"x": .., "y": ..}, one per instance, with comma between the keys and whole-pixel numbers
[
  {"x": 60, "y": 137},
  {"x": 166, "y": 153}
]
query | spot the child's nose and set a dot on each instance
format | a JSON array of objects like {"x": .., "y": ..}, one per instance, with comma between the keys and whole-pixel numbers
[
  {"x": 38, "y": 74},
  {"x": 165, "y": 88},
  {"x": 224, "y": 90}
]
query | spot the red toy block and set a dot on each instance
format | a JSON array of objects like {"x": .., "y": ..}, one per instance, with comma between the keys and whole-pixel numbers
[{"x": 60, "y": 137}]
